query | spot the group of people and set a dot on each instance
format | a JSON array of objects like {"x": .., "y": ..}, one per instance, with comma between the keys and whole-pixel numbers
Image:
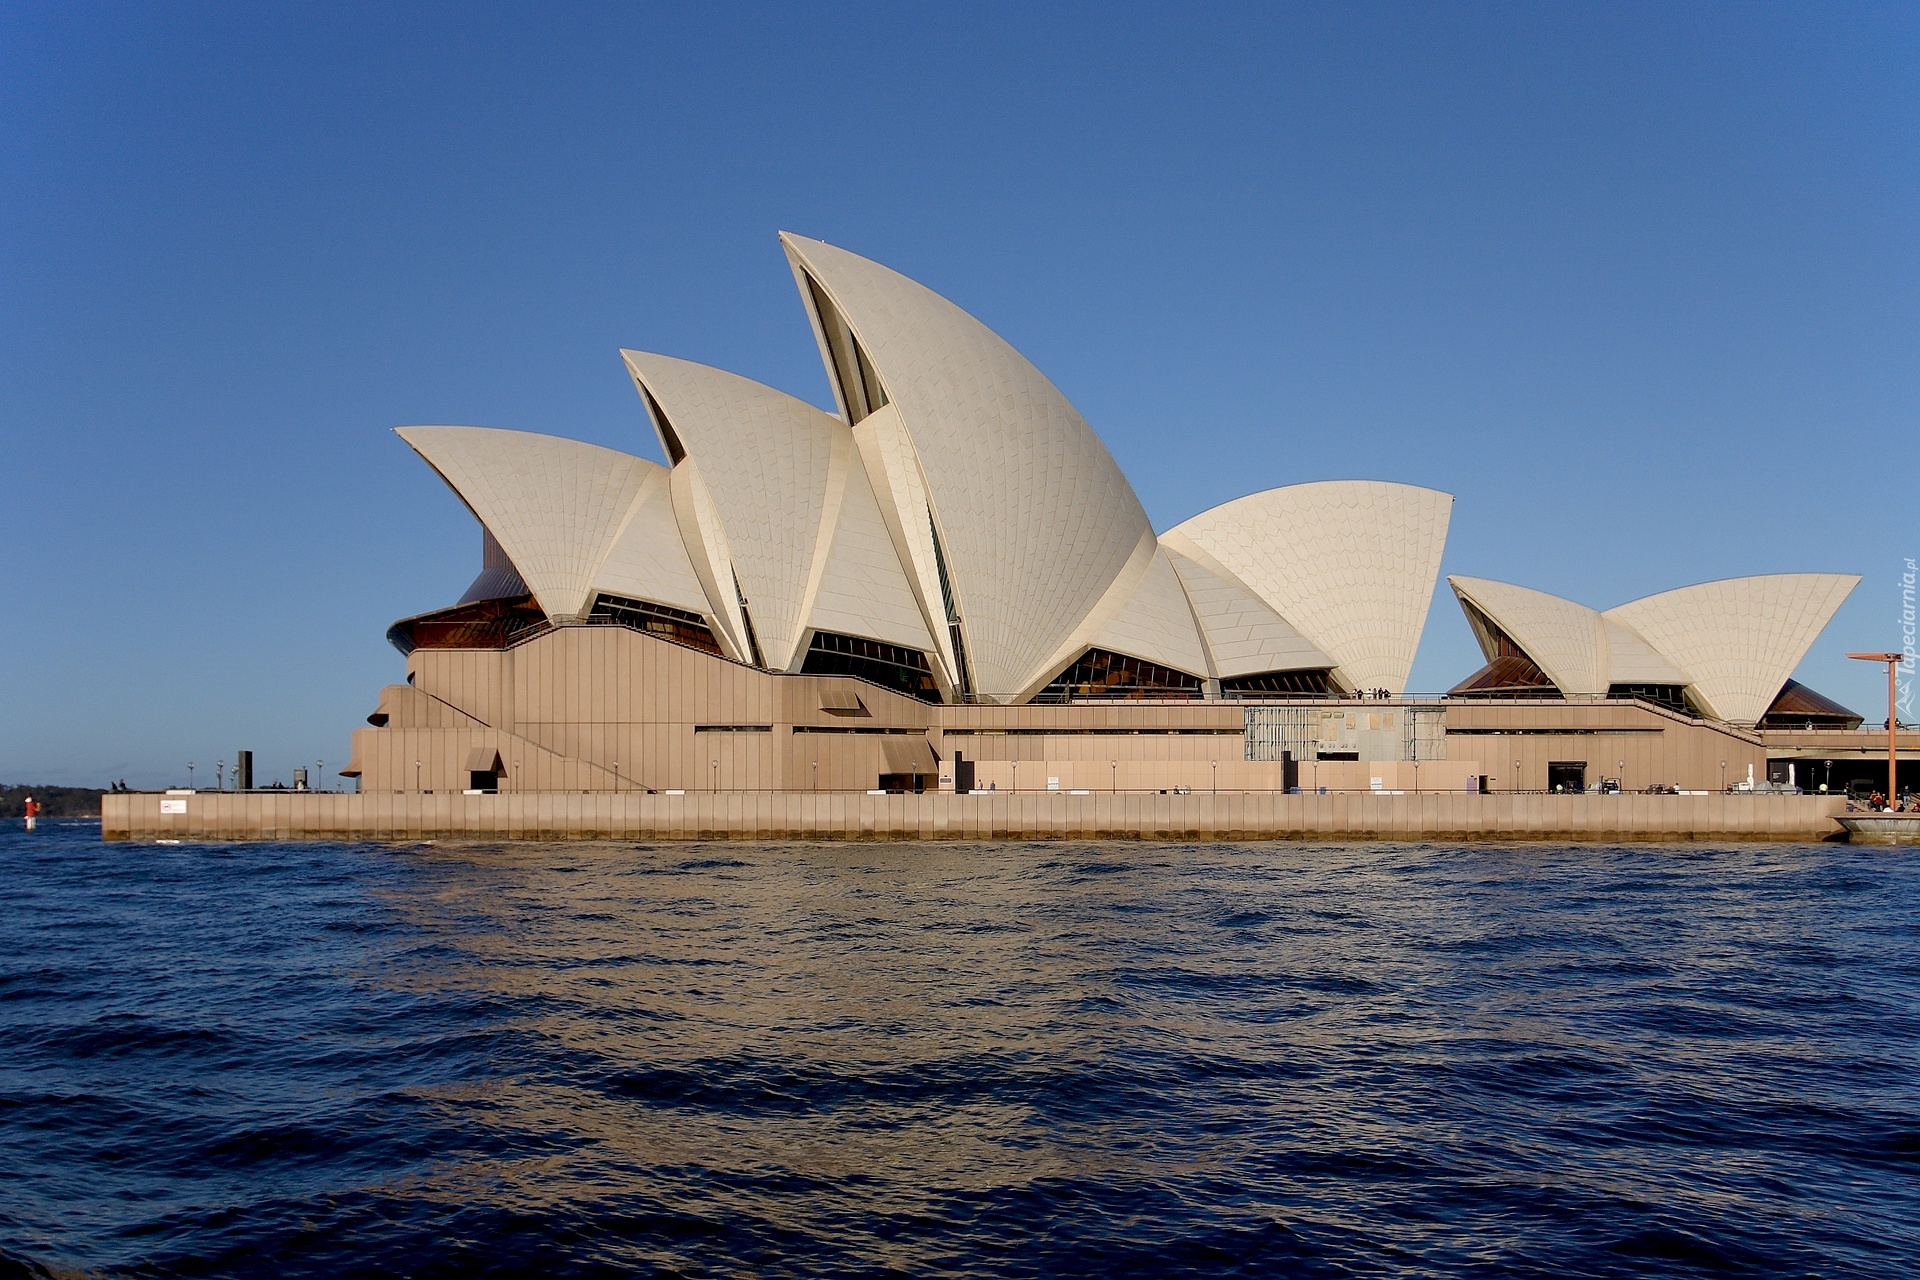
[{"x": 1877, "y": 803}]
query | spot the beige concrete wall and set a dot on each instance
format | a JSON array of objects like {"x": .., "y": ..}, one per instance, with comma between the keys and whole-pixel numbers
[
  {"x": 782, "y": 816},
  {"x": 1225, "y": 774},
  {"x": 605, "y": 708},
  {"x": 1657, "y": 746}
]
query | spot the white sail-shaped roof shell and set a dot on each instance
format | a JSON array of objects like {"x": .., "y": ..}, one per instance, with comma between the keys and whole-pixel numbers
[
  {"x": 1739, "y": 639},
  {"x": 648, "y": 561},
  {"x": 1034, "y": 517},
  {"x": 796, "y": 514},
  {"x": 1243, "y": 636},
  {"x": 1565, "y": 640},
  {"x": 767, "y": 460},
  {"x": 1631, "y": 660},
  {"x": 862, "y": 589},
  {"x": 1156, "y": 622},
  {"x": 1351, "y": 564},
  {"x": 553, "y": 505}
]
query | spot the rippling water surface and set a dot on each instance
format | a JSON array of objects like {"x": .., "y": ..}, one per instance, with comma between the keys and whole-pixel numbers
[{"x": 328, "y": 1059}]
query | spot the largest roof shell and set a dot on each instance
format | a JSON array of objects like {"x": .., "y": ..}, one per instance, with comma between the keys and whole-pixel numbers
[{"x": 1034, "y": 519}]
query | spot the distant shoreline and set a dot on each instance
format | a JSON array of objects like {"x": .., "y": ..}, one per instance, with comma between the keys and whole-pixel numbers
[{"x": 55, "y": 802}]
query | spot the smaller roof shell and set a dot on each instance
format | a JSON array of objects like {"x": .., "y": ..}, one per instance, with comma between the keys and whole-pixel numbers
[
  {"x": 1350, "y": 564},
  {"x": 767, "y": 460},
  {"x": 554, "y": 505},
  {"x": 1243, "y": 636},
  {"x": 1739, "y": 639},
  {"x": 1733, "y": 644},
  {"x": 1564, "y": 639}
]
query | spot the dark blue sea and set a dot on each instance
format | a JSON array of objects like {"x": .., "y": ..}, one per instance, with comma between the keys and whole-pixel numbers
[{"x": 297, "y": 1060}]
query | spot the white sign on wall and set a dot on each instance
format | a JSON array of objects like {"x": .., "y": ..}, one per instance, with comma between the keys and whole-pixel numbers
[{"x": 173, "y": 806}]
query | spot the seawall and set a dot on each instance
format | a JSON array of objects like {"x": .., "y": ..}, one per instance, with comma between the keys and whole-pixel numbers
[{"x": 606, "y": 815}]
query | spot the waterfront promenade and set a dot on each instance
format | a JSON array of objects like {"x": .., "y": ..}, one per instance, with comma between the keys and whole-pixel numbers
[{"x": 415, "y": 815}]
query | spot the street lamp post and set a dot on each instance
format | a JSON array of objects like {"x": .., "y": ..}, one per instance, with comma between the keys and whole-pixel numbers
[
  {"x": 1114, "y": 781},
  {"x": 220, "y": 776},
  {"x": 319, "y": 769},
  {"x": 189, "y": 775},
  {"x": 816, "y": 775},
  {"x": 1723, "y": 776},
  {"x": 1216, "y": 776},
  {"x": 416, "y": 775},
  {"x": 716, "y": 777},
  {"x": 1893, "y": 661},
  {"x": 1622, "y": 779},
  {"x": 1516, "y": 776}
]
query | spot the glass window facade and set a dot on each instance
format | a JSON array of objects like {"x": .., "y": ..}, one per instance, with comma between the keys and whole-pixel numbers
[
  {"x": 1280, "y": 684},
  {"x": 1099, "y": 675},
  {"x": 675, "y": 625},
  {"x": 1671, "y": 696},
  {"x": 888, "y": 665}
]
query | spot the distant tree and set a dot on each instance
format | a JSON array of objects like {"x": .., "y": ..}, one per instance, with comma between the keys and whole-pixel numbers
[{"x": 55, "y": 802}]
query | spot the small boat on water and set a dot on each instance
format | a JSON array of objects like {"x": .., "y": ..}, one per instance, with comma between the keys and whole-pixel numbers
[{"x": 1881, "y": 828}]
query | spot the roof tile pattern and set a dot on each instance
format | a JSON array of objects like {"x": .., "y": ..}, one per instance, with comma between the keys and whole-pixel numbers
[
  {"x": 1035, "y": 518},
  {"x": 1349, "y": 563},
  {"x": 1156, "y": 623},
  {"x": 1562, "y": 638},
  {"x": 863, "y": 591},
  {"x": 554, "y": 505},
  {"x": 1739, "y": 640},
  {"x": 900, "y": 493},
  {"x": 766, "y": 459},
  {"x": 1243, "y": 636},
  {"x": 1631, "y": 660},
  {"x": 648, "y": 561},
  {"x": 711, "y": 554}
]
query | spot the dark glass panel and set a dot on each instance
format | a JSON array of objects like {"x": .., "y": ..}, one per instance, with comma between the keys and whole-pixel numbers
[
  {"x": 675, "y": 625},
  {"x": 1279, "y": 684},
  {"x": 888, "y": 665},
  {"x": 1671, "y": 696},
  {"x": 1099, "y": 675}
]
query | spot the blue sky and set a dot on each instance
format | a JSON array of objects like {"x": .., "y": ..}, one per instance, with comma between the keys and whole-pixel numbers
[{"x": 1636, "y": 283}]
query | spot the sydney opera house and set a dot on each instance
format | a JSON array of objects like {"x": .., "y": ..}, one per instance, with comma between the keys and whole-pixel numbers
[{"x": 948, "y": 583}]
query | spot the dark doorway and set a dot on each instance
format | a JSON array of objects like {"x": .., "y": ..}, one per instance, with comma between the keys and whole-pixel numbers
[
  {"x": 1566, "y": 775},
  {"x": 483, "y": 780},
  {"x": 963, "y": 774},
  {"x": 905, "y": 782}
]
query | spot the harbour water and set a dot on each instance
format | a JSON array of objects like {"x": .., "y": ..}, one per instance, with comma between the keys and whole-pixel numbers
[{"x": 957, "y": 1060}]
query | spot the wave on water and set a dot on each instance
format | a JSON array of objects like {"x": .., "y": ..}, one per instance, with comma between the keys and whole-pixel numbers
[{"x": 956, "y": 1060}]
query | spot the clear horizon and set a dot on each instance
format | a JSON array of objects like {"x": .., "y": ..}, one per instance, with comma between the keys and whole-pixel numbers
[{"x": 1636, "y": 284}]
